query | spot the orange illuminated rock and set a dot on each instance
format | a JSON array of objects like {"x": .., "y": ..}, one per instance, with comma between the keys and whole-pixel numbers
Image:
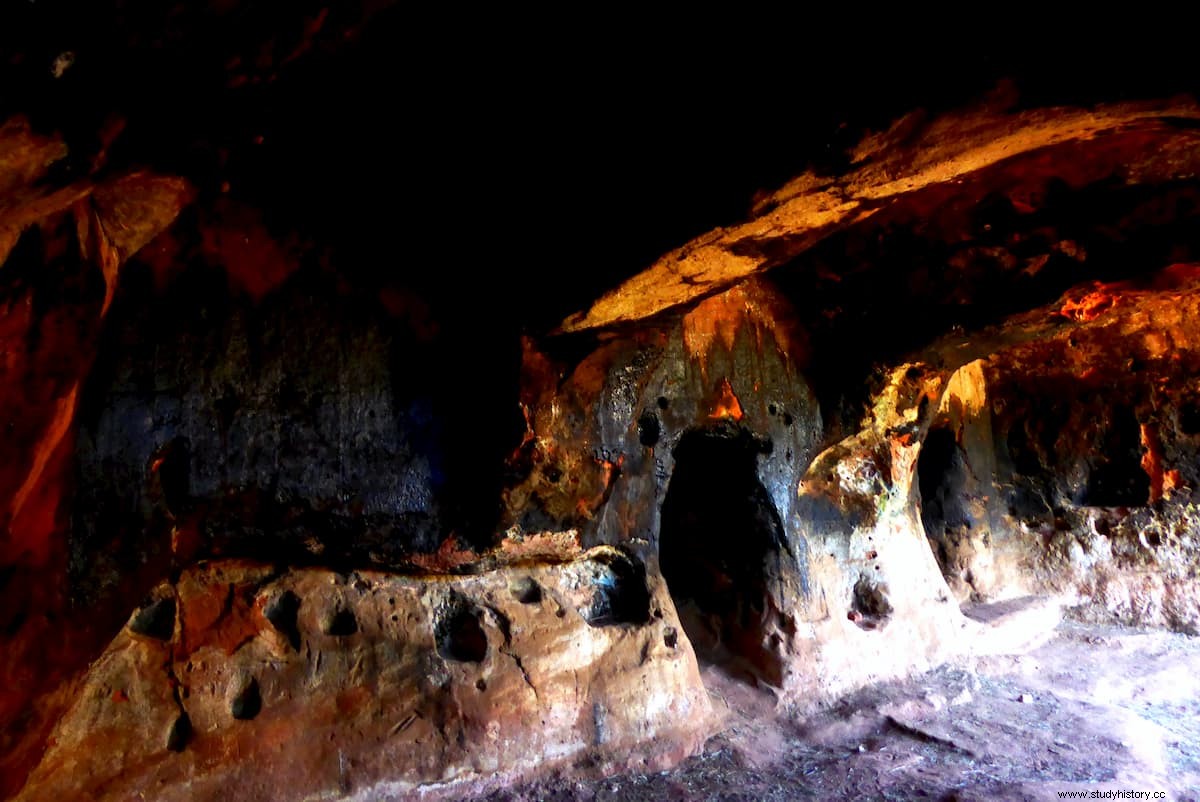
[
  {"x": 752, "y": 305},
  {"x": 55, "y": 240},
  {"x": 378, "y": 686},
  {"x": 948, "y": 158},
  {"x": 1152, "y": 460},
  {"x": 601, "y": 431},
  {"x": 1092, "y": 304},
  {"x": 930, "y": 401},
  {"x": 727, "y": 405},
  {"x": 1064, "y": 458}
]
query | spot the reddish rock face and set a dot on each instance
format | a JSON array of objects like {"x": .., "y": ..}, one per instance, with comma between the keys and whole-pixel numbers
[
  {"x": 1063, "y": 460},
  {"x": 681, "y": 442},
  {"x": 62, "y": 246},
  {"x": 366, "y": 684}
]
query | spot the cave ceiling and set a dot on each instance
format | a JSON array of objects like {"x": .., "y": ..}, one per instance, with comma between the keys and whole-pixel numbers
[{"x": 408, "y": 148}]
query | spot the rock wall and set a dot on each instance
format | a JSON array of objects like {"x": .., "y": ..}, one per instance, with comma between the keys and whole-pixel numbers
[
  {"x": 375, "y": 686},
  {"x": 199, "y": 436},
  {"x": 889, "y": 611},
  {"x": 702, "y": 420},
  {"x": 1065, "y": 460},
  {"x": 690, "y": 441},
  {"x": 64, "y": 236}
]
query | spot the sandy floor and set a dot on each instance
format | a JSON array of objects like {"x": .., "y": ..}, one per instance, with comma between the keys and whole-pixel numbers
[{"x": 1094, "y": 708}]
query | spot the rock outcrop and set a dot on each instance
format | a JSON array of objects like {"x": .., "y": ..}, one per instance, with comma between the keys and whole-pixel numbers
[
  {"x": 62, "y": 244},
  {"x": 1064, "y": 460},
  {"x": 243, "y": 681},
  {"x": 917, "y": 164},
  {"x": 695, "y": 442}
]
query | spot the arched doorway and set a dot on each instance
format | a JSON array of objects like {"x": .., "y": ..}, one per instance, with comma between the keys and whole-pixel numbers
[
  {"x": 942, "y": 476},
  {"x": 720, "y": 544}
]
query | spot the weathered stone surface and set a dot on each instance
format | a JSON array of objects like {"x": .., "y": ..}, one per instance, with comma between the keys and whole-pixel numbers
[
  {"x": 689, "y": 441},
  {"x": 57, "y": 272},
  {"x": 443, "y": 684},
  {"x": 703, "y": 479},
  {"x": 1064, "y": 459},
  {"x": 888, "y": 610},
  {"x": 287, "y": 427},
  {"x": 679, "y": 442},
  {"x": 916, "y": 163}
]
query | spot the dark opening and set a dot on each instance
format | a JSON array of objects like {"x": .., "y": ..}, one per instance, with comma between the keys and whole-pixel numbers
[
  {"x": 281, "y": 611},
  {"x": 942, "y": 477},
  {"x": 180, "y": 733},
  {"x": 247, "y": 702},
  {"x": 1189, "y": 418},
  {"x": 155, "y": 620},
  {"x": 620, "y": 594},
  {"x": 526, "y": 590},
  {"x": 340, "y": 623},
  {"x": 459, "y": 632},
  {"x": 649, "y": 429},
  {"x": 720, "y": 541},
  {"x": 1117, "y": 478}
]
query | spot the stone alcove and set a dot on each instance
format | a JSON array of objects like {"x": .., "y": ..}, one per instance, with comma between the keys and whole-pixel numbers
[{"x": 720, "y": 543}]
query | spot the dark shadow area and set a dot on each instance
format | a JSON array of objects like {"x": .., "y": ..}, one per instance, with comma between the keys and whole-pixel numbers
[
  {"x": 459, "y": 632},
  {"x": 620, "y": 592},
  {"x": 1117, "y": 478},
  {"x": 720, "y": 534},
  {"x": 942, "y": 476}
]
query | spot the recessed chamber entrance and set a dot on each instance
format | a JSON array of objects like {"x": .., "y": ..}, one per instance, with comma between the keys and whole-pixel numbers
[
  {"x": 720, "y": 533},
  {"x": 942, "y": 474}
]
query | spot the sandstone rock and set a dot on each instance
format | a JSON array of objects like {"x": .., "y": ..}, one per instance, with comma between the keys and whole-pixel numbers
[
  {"x": 444, "y": 682},
  {"x": 784, "y": 475},
  {"x": 674, "y": 442},
  {"x": 57, "y": 272},
  {"x": 1045, "y": 471},
  {"x": 947, "y": 159},
  {"x": 871, "y": 558},
  {"x": 689, "y": 442}
]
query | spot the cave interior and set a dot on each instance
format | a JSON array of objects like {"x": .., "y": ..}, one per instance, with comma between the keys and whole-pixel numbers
[{"x": 394, "y": 407}]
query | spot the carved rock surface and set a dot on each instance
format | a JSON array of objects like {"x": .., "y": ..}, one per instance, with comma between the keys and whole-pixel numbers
[
  {"x": 438, "y": 684},
  {"x": 695, "y": 441},
  {"x": 783, "y": 476},
  {"x": 1065, "y": 459}
]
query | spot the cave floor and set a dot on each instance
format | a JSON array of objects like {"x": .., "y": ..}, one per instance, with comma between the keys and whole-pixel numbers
[{"x": 1094, "y": 707}]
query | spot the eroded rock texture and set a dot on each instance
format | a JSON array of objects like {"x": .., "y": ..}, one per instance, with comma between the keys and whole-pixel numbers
[
  {"x": 61, "y": 245},
  {"x": 371, "y": 686},
  {"x": 671, "y": 442},
  {"x": 1064, "y": 460},
  {"x": 949, "y": 431},
  {"x": 689, "y": 442},
  {"x": 199, "y": 436}
]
